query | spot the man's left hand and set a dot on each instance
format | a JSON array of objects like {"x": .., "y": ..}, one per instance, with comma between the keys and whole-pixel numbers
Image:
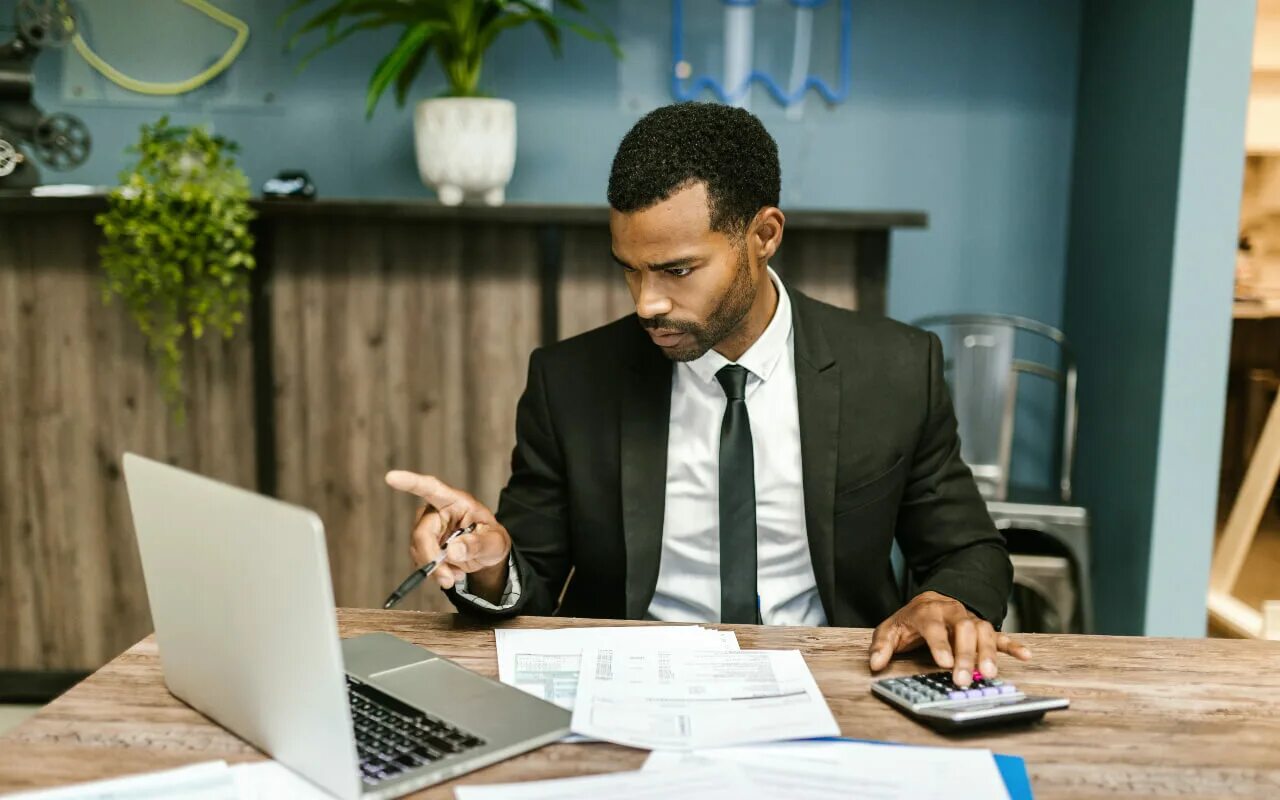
[{"x": 957, "y": 639}]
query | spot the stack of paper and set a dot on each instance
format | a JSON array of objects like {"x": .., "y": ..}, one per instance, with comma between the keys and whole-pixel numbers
[
  {"x": 840, "y": 769},
  {"x": 544, "y": 663},
  {"x": 208, "y": 780},
  {"x": 682, "y": 699},
  {"x": 793, "y": 770},
  {"x": 704, "y": 782}
]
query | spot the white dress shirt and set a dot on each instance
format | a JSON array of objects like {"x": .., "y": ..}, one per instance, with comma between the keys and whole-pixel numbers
[{"x": 688, "y": 588}]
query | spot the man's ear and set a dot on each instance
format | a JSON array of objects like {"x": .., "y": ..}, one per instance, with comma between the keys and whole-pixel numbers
[{"x": 764, "y": 236}]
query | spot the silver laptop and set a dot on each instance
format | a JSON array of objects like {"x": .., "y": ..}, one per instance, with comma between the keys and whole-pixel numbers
[{"x": 243, "y": 607}]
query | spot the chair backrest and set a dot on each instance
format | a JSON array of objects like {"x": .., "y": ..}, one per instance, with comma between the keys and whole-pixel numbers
[{"x": 983, "y": 369}]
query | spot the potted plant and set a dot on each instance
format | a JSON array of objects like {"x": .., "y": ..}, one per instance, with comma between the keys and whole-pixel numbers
[
  {"x": 465, "y": 141},
  {"x": 178, "y": 249}
]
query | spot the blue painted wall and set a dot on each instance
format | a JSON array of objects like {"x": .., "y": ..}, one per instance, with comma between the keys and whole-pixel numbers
[
  {"x": 1155, "y": 199},
  {"x": 1198, "y": 343},
  {"x": 967, "y": 110},
  {"x": 962, "y": 109}
]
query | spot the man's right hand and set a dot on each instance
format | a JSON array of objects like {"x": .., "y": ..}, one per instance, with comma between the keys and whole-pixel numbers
[{"x": 481, "y": 555}]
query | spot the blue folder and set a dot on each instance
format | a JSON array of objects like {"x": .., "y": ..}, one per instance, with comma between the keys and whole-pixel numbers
[{"x": 1013, "y": 770}]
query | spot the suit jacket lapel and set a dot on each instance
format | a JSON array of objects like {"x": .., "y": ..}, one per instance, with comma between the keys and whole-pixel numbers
[
  {"x": 818, "y": 398},
  {"x": 646, "y": 409}
]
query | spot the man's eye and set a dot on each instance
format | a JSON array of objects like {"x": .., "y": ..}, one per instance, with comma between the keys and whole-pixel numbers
[{"x": 679, "y": 272}]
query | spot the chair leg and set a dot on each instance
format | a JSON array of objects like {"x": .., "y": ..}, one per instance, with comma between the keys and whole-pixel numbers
[
  {"x": 1085, "y": 596},
  {"x": 1271, "y": 619}
]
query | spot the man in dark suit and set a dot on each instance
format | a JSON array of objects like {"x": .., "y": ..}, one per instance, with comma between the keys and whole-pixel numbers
[{"x": 735, "y": 451}]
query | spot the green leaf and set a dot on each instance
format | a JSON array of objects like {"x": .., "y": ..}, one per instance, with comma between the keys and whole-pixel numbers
[
  {"x": 547, "y": 21},
  {"x": 411, "y": 70},
  {"x": 290, "y": 10},
  {"x": 366, "y": 25},
  {"x": 330, "y": 17},
  {"x": 169, "y": 251},
  {"x": 396, "y": 61}
]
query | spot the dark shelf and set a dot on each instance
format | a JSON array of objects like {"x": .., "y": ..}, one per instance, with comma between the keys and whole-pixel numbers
[{"x": 529, "y": 213}]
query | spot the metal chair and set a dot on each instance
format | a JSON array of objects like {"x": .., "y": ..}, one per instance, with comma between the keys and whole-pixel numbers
[
  {"x": 1043, "y": 590},
  {"x": 984, "y": 370}
]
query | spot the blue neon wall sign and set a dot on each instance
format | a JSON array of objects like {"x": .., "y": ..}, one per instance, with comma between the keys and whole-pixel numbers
[{"x": 691, "y": 87}]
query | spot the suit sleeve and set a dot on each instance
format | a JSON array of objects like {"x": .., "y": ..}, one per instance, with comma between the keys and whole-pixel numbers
[
  {"x": 944, "y": 530},
  {"x": 532, "y": 507}
]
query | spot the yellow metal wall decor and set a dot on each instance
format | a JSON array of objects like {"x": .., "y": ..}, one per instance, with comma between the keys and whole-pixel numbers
[{"x": 174, "y": 87}]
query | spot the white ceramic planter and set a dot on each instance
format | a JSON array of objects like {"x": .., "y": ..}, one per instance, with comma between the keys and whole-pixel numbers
[{"x": 466, "y": 146}]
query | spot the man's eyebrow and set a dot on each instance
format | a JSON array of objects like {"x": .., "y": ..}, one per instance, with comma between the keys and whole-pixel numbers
[{"x": 675, "y": 264}]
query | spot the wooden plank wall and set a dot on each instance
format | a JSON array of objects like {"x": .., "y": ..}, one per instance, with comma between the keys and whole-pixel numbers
[
  {"x": 76, "y": 390},
  {"x": 394, "y": 343}
]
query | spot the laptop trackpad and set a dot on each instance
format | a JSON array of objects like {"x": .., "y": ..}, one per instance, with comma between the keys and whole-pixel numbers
[{"x": 484, "y": 707}]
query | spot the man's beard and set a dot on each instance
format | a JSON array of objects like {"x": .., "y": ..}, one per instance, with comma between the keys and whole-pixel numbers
[{"x": 728, "y": 313}]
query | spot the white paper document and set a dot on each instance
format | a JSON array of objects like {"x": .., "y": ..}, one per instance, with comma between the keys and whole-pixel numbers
[
  {"x": 704, "y": 782},
  {"x": 840, "y": 770},
  {"x": 209, "y": 780},
  {"x": 270, "y": 780},
  {"x": 544, "y": 662},
  {"x": 663, "y": 699}
]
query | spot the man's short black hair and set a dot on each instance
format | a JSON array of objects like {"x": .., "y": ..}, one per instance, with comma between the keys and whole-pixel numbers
[{"x": 677, "y": 145}]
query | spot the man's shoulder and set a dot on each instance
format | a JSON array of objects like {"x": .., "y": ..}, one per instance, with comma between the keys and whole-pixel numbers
[
  {"x": 846, "y": 328},
  {"x": 599, "y": 349}
]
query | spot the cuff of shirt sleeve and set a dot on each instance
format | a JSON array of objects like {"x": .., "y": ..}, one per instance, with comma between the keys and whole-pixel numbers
[
  {"x": 510, "y": 594},
  {"x": 979, "y": 597}
]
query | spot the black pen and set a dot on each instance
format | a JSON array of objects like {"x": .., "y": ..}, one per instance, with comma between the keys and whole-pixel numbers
[{"x": 420, "y": 574}]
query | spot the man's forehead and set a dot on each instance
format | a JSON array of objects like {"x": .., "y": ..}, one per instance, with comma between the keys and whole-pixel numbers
[
  {"x": 678, "y": 221},
  {"x": 685, "y": 209}
]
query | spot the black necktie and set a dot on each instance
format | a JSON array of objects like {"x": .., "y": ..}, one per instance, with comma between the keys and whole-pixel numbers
[{"x": 737, "y": 502}]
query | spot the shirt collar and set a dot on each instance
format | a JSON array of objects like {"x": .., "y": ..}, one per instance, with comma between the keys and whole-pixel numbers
[{"x": 761, "y": 358}]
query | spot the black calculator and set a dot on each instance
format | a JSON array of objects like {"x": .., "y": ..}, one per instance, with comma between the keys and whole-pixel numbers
[{"x": 933, "y": 699}]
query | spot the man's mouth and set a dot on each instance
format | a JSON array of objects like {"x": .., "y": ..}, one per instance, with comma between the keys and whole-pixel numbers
[{"x": 665, "y": 338}]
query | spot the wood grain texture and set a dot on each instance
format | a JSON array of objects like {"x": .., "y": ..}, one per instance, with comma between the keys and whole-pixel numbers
[
  {"x": 822, "y": 264},
  {"x": 77, "y": 389},
  {"x": 593, "y": 290},
  {"x": 400, "y": 336},
  {"x": 1149, "y": 717},
  {"x": 397, "y": 345}
]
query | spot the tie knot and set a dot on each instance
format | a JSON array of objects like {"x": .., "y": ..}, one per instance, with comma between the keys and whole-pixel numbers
[{"x": 733, "y": 379}]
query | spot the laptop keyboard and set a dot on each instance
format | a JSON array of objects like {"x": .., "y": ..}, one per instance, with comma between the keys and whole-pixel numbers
[{"x": 393, "y": 737}]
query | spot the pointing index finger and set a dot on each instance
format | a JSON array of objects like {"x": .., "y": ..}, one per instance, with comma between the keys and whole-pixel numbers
[{"x": 428, "y": 487}]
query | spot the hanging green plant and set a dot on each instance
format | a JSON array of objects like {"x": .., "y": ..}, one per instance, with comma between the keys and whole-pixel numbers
[{"x": 178, "y": 248}]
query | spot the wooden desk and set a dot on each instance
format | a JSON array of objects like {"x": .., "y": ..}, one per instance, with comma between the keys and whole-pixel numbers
[{"x": 1149, "y": 717}]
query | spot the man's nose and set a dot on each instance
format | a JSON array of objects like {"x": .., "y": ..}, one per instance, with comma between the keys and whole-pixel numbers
[{"x": 651, "y": 302}]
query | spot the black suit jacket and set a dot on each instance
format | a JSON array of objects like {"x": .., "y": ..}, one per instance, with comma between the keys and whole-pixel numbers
[{"x": 880, "y": 454}]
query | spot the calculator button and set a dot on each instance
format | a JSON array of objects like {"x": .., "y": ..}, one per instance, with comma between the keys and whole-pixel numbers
[
  {"x": 990, "y": 691},
  {"x": 956, "y": 695},
  {"x": 1008, "y": 688},
  {"x": 973, "y": 693}
]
